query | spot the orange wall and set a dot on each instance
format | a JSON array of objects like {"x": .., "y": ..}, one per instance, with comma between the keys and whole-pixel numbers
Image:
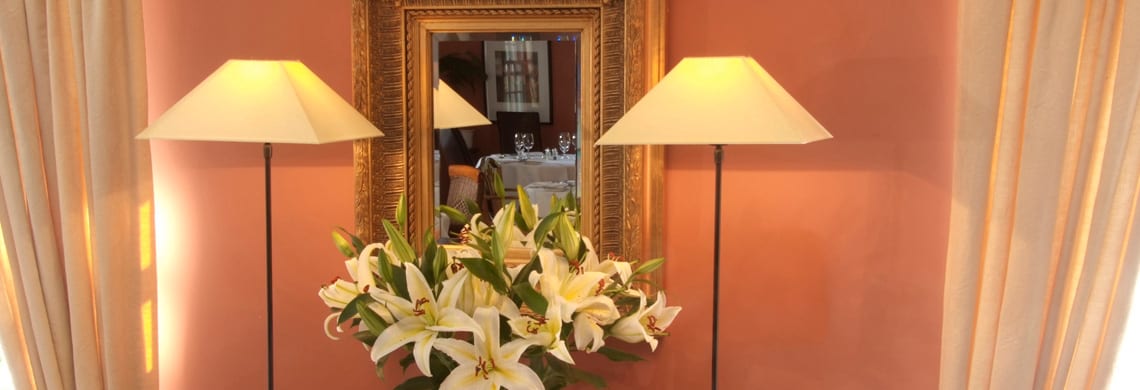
[{"x": 832, "y": 252}]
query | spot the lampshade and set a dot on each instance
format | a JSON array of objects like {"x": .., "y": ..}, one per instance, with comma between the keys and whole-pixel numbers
[
  {"x": 716, "y": 101},
  {"x": 262, "y": 101},
  {"x": 452, "y": 111}
]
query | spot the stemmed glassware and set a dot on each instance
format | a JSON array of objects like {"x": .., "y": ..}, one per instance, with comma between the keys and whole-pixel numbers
[
  {"x": 564, "y": 142},
  {"x": 528, "y": 142},
  {"x": 523, "y": 143},
  {"x": 519, "y": 142}
]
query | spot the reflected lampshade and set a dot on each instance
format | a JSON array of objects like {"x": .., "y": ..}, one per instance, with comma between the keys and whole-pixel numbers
[
  {"x": 262, "y": 101},
  {"x": 716, "y": 101},
  {"x": 451, "y": 111}
]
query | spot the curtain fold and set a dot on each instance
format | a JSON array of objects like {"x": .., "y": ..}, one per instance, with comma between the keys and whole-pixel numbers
[
  {"x": 1043, "y": 250},
  {"x": 75, "y": 196}
]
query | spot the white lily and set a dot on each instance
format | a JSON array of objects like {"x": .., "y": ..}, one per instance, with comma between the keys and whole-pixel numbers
[
  {"x": 565, "y": 289},
  {"x": 544, "y": 331},
  {"x": 504, "y": 223},
  {"x": 421, "y": 319},
  {"x": 336, "y": 295},
  {"x": 486, "y": 364},
  {"x": 471, "y": 292},
  {"x": 592, "y": 314},
  {"x": 646, "y": 324},
  {"x": 612, "y": 265}
]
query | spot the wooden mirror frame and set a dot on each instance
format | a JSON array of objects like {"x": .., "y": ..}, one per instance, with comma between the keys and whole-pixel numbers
[{"x": 621, "y": 186}]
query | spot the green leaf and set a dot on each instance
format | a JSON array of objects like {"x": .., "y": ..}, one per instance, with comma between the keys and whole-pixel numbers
[
  {"x": 402, "y": 214},
  {"x": 497, "y": 185},
  {"x": 649, "y": 266},
  {"x": 593, "y": 379},
  {"x": 452, "y": 213},
  {"x": 543, "y": 229},
  {"x": 532, "y": 298},
  {"x": 572, "y": 201},
  {"x": 356, "y": 241},
  {"x": 407, "y": 361},
  {"x": 417, "y": 383},
  {"x": 385, "y": 266},
  {"x": 440, "y": 264},
  {"x": 483, "y": 269},
  {"x": 342, "y": 245},
  {"x": 533, "y": 265},
  {"x": 365, "y": 337},
  {"x": 427, "y": 263},
  {"x": 371, "y": 319},
  {"x": 399, "y": 281},
  {"x": 619, "y": 356},
  {"x": 526, "y": 209},
  {"x": 400, "y": 244},
  {"x": 498, "y": 251},
  {"x": 350, "y": 309},
  {"x": 380, "y": 366},
  {"x": 506, "y": 229},
  {"x": 568, "y": 238}
]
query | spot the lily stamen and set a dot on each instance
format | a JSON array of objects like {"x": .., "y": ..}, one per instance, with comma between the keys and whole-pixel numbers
[
  {"x": 483, "y": 368},
  {"x": 652, "y": 325},
  {"x": 419, "y": 310}
]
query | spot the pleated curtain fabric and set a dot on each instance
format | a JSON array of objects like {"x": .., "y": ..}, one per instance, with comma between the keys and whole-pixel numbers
[
  {"x": 75, "y": 196},
  {"x": 1044, "y": 245}
]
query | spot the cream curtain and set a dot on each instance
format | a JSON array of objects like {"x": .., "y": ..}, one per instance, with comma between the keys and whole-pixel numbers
[
  {"x": 1044, "y": 245},
  {"x": 75, "y": 196}
]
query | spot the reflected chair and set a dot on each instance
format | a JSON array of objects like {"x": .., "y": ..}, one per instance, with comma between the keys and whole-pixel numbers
[
  {"x": 464, "y": 190},
  {"x": 510, "y": 123}
]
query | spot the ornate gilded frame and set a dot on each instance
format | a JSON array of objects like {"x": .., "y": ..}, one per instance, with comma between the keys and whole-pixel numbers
[{"x": 621, "y": 186}]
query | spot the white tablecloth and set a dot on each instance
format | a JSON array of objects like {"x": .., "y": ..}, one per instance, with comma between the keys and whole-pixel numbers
[
  {"x": 540, "y": 193},
  {"x": 517, "y": 172}
]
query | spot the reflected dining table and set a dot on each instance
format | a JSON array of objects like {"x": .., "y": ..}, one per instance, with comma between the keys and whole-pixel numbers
[{"x": 518, "y": 172}]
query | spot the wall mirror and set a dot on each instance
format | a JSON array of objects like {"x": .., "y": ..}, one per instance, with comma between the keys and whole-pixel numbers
[{"x": 552, "y": 69}]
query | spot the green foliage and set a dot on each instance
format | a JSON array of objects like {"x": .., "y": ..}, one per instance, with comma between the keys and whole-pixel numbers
[{"x": 619, "y": 356}]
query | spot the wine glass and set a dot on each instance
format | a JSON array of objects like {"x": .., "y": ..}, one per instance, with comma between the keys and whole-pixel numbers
[
  {"x": 528, "y": 141},
  {"x": 564, "y": 143},
  {"x": 519, "y": 145}
]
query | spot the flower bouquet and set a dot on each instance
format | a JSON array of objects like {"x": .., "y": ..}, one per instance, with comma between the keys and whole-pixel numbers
[{"x": 473, "y": 320}]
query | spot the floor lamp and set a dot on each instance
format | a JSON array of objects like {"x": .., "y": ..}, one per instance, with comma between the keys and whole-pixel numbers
[
  {"x": 716, "y": 101},
  {"x": 267, "y": 102}
]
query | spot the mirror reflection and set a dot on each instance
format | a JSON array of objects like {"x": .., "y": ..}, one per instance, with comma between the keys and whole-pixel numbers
[{"x": 506, "y": 105}]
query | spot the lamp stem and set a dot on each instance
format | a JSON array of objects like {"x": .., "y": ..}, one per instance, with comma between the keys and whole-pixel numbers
[
  {"x": 267, "y": 150},
  {"x": 718, "y": 157}
]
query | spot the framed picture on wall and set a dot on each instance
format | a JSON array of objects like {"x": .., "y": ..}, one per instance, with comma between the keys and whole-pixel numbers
[{"x": 518, "y": 77}]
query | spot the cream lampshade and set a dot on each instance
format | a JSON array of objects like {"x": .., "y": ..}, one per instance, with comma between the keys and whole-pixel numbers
[
  {"x": 451, "y": 111},
  {"x": 716, "y": 101},
  {"x": 262, "y": 101}
]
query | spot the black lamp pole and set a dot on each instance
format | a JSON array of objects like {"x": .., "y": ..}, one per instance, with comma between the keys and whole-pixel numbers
[
  {"x": 718, "y": 157},
  {"x": 267, "y": 149}
]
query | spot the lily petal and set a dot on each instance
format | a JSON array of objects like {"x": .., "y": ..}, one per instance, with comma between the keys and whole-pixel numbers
[
  {"x": 464, "y": 378},
  {"x": 422, "y": 351},
  {"x": 461, "y": 351},
  {"x": 363, "y": 271},
  {"x": 512, "y": 350},
  {"x": 454, "y": 320},
  {"x": 588, "y": 336},
  {"x": 515, "y": 376},
  {"x": 330, "y": 319},
  {"x": 559, "y": 351},
  {"x": 395, "y": 336}
]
